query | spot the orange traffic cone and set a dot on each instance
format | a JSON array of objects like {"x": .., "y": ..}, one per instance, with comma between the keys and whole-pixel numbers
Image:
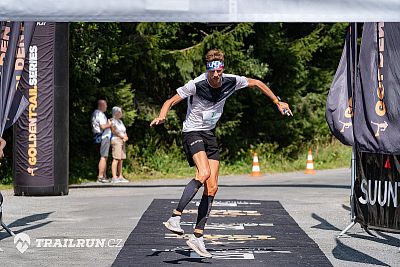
[
  {"x": 256, "y": 166},
  {"x": 310, "y": 164}
]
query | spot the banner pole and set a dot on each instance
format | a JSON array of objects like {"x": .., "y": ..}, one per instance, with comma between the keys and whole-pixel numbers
[
  {"x": 5, "y": 227},
  {"x": 353, "y": 151},
  {"x": 353, "y": 40},
  {"x": 353, "y": 177}
]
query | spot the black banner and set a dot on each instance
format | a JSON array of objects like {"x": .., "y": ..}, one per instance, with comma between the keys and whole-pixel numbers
[
  {"x": 339, "y": 111},
  {"x": 34, "y": 145},
  {"x": 15, "y": 37},
  {"x": 41, "y": 152},
  {"x": 377, "y": 191},
  {"x": 377, "y": 95},
  {"x": 376, "y": 122}
]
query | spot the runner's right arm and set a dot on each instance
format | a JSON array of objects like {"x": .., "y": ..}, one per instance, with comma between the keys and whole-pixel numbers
[{"x": 165, "y": 108}]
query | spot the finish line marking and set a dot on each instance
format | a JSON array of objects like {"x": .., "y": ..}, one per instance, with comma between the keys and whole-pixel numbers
[
  {"x": 229, "y": 226},
  {"x": 221, "y": 203},
  {"x": 227, "y": 213},
  {"x": 226, "y": 255},
  {"x": 222, "y": 237}
]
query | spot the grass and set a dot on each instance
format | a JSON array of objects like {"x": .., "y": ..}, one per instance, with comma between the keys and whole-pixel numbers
[
  {"x": 6, "y": 186},
  {"x": 326, "y": 156},
  {"x": 165, "y": 165}
]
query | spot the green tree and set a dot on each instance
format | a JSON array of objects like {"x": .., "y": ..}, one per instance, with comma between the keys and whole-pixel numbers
[{"x": 139, "y": 65}]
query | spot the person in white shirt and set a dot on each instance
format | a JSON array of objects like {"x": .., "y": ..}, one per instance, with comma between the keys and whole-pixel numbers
[
  {"x": 119, "y": 137},
  {"x": 101, "y": 128},
  {"x": 206, "y": 96}
]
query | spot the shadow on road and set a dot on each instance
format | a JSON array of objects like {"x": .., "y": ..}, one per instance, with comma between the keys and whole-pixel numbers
[
  {"x": 184, "y": 253},
  {"x": 180, "y": 261},
  {"x": 28, "y": 222},
  {"x": 324, "y": 224},
  {"x": 387, "y": 239},
  {"x": 346, "y": 253},
  {"x": 346, "y": 207}
]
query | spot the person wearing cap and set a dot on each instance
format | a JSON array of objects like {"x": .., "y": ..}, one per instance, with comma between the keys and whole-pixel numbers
[
  {"x": 206, "y": 96},
  {"x": 118, "y": 140}
]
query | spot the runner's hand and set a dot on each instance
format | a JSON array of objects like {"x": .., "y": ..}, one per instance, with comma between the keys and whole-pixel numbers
[
  {"x": 284, "y": 109},
  {"x": 157, "y": 121}
]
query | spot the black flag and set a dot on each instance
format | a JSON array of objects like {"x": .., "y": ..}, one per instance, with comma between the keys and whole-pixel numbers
[
  {"x": 339, "y": 111},
  {"x": 16, "y": 37},
  {"x": 377, "y": 95},
  {"x": 41, "y": 143}
]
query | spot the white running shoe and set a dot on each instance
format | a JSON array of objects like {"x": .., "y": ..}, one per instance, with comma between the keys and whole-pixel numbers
[
  {"x": 197, "y": 244},
  {"x": 174, "y": 225},
  {"x": 123, "y": 180},
  {"x": 115, "y": 181}
]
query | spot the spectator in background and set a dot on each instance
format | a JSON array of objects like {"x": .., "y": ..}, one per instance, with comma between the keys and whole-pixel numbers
[
  {"x": 2, "y": 146},
  {"x": 119, "y": 137},
  {"x": 101, "y": 128}
]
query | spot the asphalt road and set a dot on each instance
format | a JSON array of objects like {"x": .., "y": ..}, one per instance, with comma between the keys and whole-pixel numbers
[{"x": 318, "y": 203}]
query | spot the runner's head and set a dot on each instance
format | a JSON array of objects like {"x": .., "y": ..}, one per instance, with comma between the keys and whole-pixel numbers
[{"x": 215, "y": 64}]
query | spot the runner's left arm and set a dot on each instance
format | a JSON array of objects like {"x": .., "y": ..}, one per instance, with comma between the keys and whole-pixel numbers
[{"x": 282, "y": 106}]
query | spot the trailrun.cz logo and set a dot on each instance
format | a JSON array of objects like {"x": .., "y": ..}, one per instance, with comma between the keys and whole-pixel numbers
[{"x": 22, "y": 242}]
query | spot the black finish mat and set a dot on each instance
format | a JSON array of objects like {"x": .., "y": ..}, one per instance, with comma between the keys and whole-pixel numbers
[{"x": 238, "y": 233}]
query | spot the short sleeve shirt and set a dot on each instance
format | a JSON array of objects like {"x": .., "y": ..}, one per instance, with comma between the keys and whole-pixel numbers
[
  {"x": 99, "y": 118},
  {"x": 119, "y": 127},
  {"x": 205, "y": 103}
]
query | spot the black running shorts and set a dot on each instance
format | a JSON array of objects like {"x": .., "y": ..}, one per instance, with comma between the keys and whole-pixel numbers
[{"x": 194, "y": 142}]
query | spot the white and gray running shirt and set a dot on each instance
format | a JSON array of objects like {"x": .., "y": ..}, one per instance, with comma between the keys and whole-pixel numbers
[{"x": 205, "y": 103}]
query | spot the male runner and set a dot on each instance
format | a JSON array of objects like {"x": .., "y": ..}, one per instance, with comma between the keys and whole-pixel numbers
[{"x": 206, "y": 99}]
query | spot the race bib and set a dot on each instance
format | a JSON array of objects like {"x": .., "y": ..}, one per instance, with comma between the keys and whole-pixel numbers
[{"x": 211, "y": 117}]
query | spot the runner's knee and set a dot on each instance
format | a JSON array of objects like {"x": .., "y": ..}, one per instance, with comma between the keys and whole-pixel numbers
[{"x": 203, "y": 174}]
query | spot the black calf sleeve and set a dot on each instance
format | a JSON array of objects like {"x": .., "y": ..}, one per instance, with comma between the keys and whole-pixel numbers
[
  {"x": 202, "y": 214},
  {"x": 190, "y": 191}
]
